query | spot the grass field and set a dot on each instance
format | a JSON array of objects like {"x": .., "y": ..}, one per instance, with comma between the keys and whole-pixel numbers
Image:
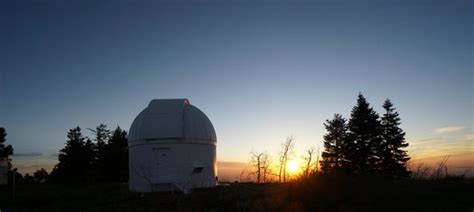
[{"x": 322, "y": 193}]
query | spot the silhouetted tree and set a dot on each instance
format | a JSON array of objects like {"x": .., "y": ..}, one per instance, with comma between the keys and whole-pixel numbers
[
  {"x": 90, "y": 159},
  {"x": 333, "y": 157},
  {"x": 40, "y": 175},
  {"x": 18, "y": 177},
  {"x": 265, "y": 167},
  {"x": 260, "y": 162},
  {"x": 115, "y": 157},
  {"x": 364, "y": 138},
  {"x": 3, "y": 134},
  {"x": 309, "y": 162},
  {"x": 441, "y": 170},
  {"x": 256, "y": 162},
  {"x": 285, "y": 155},
  {"x": 27, "y": 179},
  {"x": 82, "y": 160},
  {"x": 5, "y": 151},
  {"x": 74, "y": 159},
  {"x": 393, "y": 158},
  {"x": 317, "y": 166},
  {"x": 102, "y": 135}
]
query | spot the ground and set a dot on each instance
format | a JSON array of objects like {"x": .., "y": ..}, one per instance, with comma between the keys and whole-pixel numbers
[{"x": 320, "y": 194}]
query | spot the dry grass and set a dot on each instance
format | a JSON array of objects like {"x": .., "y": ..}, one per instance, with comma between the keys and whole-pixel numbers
[{"x": 317, "y": 193}]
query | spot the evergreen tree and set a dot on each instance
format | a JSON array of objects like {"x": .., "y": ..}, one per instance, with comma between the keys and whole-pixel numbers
[
  {"x": 74, "y": 159},
  {"x": 102, "y": 135},
  {"x": 393, "y": 158},
  {"x": 5, "y": 151},
  {"x": 27, "y": 179},
  {"x": 364, "y": 137},
  {"x": 40, "y": 175},
  {"x": 90, "y": 158},
  {"x": 333, "y": 157},
  {"x": 83, "y": 160},
  {"x": 116, "y": 157}
]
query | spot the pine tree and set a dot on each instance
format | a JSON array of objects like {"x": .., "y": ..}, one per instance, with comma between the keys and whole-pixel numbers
[
  {"x": 89, "y": 155},
  {"x": 102, "y": 136},
  {"x": 334, "y": 143},
  {"x": 364, "y": 137},
  {"x": 40, "y": 175},
  {"x": 393, "y": 158},
  {"x": 116, "y": 157},
  {"x": 5, "y": 151},
  {"x": 74, "y": 159}
]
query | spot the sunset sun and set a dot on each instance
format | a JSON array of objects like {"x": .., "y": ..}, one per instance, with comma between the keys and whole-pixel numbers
[{"x": 292, "y": 167}]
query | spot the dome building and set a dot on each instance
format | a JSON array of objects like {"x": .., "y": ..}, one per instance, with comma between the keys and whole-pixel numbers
[{"x": 172, "y": 146}]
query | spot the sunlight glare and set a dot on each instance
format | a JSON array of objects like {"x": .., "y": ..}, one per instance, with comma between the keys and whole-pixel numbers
[{"x": 292, "y": 167}]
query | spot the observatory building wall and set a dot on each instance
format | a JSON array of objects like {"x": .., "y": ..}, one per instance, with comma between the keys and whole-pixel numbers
[{"x": 172, "y": 146}]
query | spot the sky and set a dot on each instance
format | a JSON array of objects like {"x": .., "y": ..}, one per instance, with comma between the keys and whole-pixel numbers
[{"x": 260, "y": 70}]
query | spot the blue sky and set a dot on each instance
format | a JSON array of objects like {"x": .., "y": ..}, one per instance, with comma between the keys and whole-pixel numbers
[{"x": 261, "y": 70}]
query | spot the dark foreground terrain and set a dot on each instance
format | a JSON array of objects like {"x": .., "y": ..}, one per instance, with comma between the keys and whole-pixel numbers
[{"x": 323, "y": 193}]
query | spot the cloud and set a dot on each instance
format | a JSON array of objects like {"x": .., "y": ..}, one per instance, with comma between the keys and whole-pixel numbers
[
  {"x": 449, "y": 129},
  {"x": 230, "y": 164},
  {"x": 230, "y": 171},
  {"x": 54, "y": 155},
  {"x": 31, "y": 168},
  {"x": 469, "y": 137},
  {"x": 425, "y": 141},
  {"x": 28, "y": 154},
  {"x": 458, "y": 162}
]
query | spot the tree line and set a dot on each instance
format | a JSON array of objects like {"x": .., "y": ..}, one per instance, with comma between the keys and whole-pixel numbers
[
  {"x": 103, "y": 158},
  {"x": 366, "y": 143}
]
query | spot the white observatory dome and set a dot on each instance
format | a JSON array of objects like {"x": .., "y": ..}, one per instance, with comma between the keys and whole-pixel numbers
[
  {"x": 171, "y": 118},
  {"x": 172, "y": 146}
]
